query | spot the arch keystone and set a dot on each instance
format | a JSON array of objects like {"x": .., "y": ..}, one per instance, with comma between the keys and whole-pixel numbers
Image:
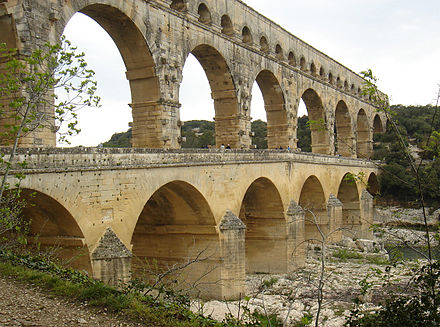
[{"x": 111, "y": 260}]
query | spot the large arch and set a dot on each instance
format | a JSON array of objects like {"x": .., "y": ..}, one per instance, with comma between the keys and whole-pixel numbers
[
  {"x": 176, "y": 226},
  {"x": 377, "y": 125},
  {"x": 363, "y": 138},
  {"x": 274, "y": 104},
  {"x": 141, "y": 72},
  {"x": 318, "y": 126},
  {"x": 349, "y": 196},
  {"x": 343, "y": 137},
  {"x": 263, "y": 214},
  {"x": 312, "y": 199},
  {"x": 54, "y": 228},
  {"x": 373, "y": 186},
  {"x": 224, "y": 94}
]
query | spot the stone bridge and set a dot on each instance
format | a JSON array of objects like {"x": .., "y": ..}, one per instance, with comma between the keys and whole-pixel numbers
[
  {"x": 239, "y": 211},
  {"x": 236, "y": 47}
]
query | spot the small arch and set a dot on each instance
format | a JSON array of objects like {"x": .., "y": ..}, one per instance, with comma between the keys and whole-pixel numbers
[
  {"x": 204, "y": 14},
  {"x": 274, "y": 104},
  {"x": 179, "y": 5},
  {"x": 313, "y": 69},
  {"x": 263, "y": 214},
  {"x": 359, "y": 91},
  {"x": 363, "y": 135},
  {"x": 303, "y": 64},
  {"x": 331, "y": 79},
  {"x": 227, "y": 27},
  {"x": 312, "y": 199},
  {"x": 377, "y": 125},
  {"x": 351, "y": 216},
  {"x": 353, "y": 88},
  {"x": 318, "y": 127},
  {"x": 346, "y": 86},
  {"x": 339, "y": 82},
  {"x": 343, "y": 137},
  {"x": 168, "y": 232},
  {"x": 246, "y": 35},
  {"x": 279, "y": 52},
  {"x": 264, "y": 45},
  {"x": 292, "y": 59},
  {"x": 322, "y": 72}
]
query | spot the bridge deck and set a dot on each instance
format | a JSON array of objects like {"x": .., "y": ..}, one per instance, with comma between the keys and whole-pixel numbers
[{"x": 82, "y": 158}]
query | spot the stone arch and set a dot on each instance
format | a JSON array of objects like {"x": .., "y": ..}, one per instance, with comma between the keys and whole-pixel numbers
[
  {"x": 223, "y": 92},
  {"x": 313, "y": 69},
  {"x": 349, "y": 196},
  {"x": 52, "y": 225},
  {"x": 227, "y": 27},
  {"x": 262, "y": 212},
  {"x": 331, "y": 79},
  {"x": 377, "y": 124},
  {"x": 363, "y": 138},
  {"x": 303, "y": 64},
  {"x": 264, "y": 45},
  {"x": 339, "y": 82},
  {"x": 322, "y": 72},
  {"x": 343, "y": 128},
  {"x": 318, "y": 127},
  {"x": 8, "y": 32},
  {"x": 274, "y": 104},
  {"x": 291, "y": 58},
  {"x": 373, "y": 186},
  {"x": 175, "y": 227},
  {"x": 246, "y": 35},
  {"x": 353, "y": 88},
  {"x": 312, "y": 199},
  {"x": 279, "y": 52},
  {"x": 141, "y": 71},
  {"x": 204, "y": 14},
  {"x": 179, "y": 5},
  {"x": 346, "y": 85}
]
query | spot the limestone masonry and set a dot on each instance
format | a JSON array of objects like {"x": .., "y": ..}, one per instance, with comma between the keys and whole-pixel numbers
[{"x": 244, "y": 211}]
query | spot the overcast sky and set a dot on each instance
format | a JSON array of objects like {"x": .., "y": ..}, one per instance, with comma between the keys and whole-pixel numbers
[{"x": 398, "y": 39}]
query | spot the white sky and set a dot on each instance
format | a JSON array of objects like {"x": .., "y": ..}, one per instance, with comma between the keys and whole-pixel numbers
[{"x": 398, "y": 39}]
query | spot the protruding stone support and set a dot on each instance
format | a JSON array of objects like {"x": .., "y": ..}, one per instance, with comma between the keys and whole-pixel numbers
[
  {"x": 111, "y": 260},
  {"x": 334, "y": 211},
  {"x": 366, "y": 216},
  {"x": 295, "y": 225},
  {"x": 233, "y": 252}
]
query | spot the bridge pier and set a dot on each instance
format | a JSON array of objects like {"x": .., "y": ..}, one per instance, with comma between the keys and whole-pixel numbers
[
  {"x": 366, "y": 215},
  {"x": 295, "y": 224},
  {"x": 334, "y": 211},
  {"x": 233, "y": 252},
  {"x": 111, "y": 260}
]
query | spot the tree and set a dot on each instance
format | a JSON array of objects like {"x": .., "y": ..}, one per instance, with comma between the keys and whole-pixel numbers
[
  {"x": 39, "y": 91},
  {"x": 421, "y": 308}
]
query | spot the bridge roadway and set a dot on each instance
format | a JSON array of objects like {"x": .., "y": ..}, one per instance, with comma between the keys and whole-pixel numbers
[{"x": 235, "y": 211}]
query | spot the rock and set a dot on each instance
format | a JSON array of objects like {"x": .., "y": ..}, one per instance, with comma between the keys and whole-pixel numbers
[
  {"x": 368, "y": 246},
  {"x": 82, "y": 321}
]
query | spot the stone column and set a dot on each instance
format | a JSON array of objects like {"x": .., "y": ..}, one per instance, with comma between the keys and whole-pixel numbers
[
  {"x": 334, "y": 212},
  {"x": 366, "y": 215},
  {"x": 111, "y": 260},
  {"x": 295, "y": 224},
  {"x": 233, "y": 252}
]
